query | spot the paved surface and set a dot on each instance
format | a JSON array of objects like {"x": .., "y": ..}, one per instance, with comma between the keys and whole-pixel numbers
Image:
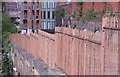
[{"x": 38, "y": 64}]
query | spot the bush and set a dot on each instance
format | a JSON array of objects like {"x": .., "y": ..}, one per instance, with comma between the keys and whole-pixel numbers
[
  {"x": 7, "y": 28},
  {"x": 101, "y": 13},
  {"x": 80, "y": 4},
  {"x": 74, "y": 14},
  {"x": 60, "y": 13},
  {"x": 111, "y": 12},
  {"x": 88, "y": 15},
  {"x": 7, "y": 25}
]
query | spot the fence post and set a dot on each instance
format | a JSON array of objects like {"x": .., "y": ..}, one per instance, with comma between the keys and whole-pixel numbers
[
  {"x": 85, "y": 53},
  {"x": 118, "y": 23},
  {"x": 104, "y": 21}
]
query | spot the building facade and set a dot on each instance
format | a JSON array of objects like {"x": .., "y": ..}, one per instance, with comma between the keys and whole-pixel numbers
[
  {"x": 30, "y": 15},
  {"x": 11, "y": 8},
  {"x": 38, "y": 15},
  {"x": 96, "y": 7},
  {"x": 48, "y": 15}
]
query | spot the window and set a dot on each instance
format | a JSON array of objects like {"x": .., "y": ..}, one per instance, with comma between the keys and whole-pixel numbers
[
  {"x": 48, "y": 14},
  {"x": 42, "y": 25},
  {"x": 33, "y": 12},
  {"x": 41, "y": 15},
  {"x": 45, "y": 4},
  {"x": 53, "y": 15},
  {"x": 44, "y": 15},
  {"x": 45, "y": 25},
  {"x": 32, "y": 24},
  {"x": 33, "y": 2},
  {"x": 25, "y": 2},
  {"x": 37, "y": 12},
  {"x": 53, "y": 4},
  {"x": 49, "y": 27},
  {"x": 42, "y": 4},
  {"x": 37, "y": 2},
  {"x": 53, "y": 26},
  {"x": 48, "y": 4}
]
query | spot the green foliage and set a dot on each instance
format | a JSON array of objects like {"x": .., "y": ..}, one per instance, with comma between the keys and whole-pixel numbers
[
  {"x": 80, "y": 13},
  {"x": 80, "y": 7},
  {"x": 60, "y": 13},
  {"x": 66, "y": 12},
  {"x": 111, "y": 12},
  {"x": 7, "y": 28},
  {"x": 74, "y": 15},
  {"x": 79, "y": 4},
  {"x": 88, "y": 15},
  {"x": 5, "y": 41},
  {"x": 101, "y": 13},
  {"x": 5, "y": 66}
]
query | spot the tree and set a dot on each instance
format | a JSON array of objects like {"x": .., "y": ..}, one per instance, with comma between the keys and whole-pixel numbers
[
  {"x": 88, "y": 15},
  {"x": 60, "y": 13},
  {"x": 80, "y": 4},
  {"x": 7, "y": 28}
]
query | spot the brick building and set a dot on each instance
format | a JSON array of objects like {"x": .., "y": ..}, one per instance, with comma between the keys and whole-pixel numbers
[
  {"x": 11, "y": 8},
  {"x": 48, "y": 14},
  {"x": 30, "y": 15},
  {"x": 38, "y": 15},
  {"x": 97, "y": 7}
]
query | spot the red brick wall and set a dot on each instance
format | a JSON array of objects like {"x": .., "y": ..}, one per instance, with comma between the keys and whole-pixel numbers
[
  {"x": 99, "y": 6},
  {"x": 74, "y": 7},
  {"x": 113, "y": 5},
  {"x": 87, "y": 5},
  {"x": 40, "y": 4},
  {"x": 68, "y": 8}
]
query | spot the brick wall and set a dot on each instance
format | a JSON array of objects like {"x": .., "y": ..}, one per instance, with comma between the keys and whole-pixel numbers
[
  {"x": 96, "y": 6},
  {"x": 87, "y": 5}
]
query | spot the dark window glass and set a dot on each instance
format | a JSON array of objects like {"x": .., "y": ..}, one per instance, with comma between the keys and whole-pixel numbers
[
  {"x": 48, "y": 14},
  {"x": 33, "y": 12},
  {"x": 41, "y": 15},
  {"x": 53, "y": 15},
  {"x": 37, "y": 12},
  {"x": 25, "y": 2},
  {"x": 44, "y": 15}
]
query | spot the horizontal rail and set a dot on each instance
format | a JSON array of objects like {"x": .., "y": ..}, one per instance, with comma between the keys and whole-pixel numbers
[
  {"x": 111, "y": 28},
  {"x": 92, "y": 41}
]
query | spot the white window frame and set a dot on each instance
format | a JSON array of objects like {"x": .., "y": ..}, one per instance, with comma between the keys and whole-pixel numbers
[
  {"x": 51, "y": 14},
  {"x": 48, "y": 4},
  {"x": 53, "y": 4},
  {"x": 49, "y": 27},
  {"x": 42, "y": 4}
]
